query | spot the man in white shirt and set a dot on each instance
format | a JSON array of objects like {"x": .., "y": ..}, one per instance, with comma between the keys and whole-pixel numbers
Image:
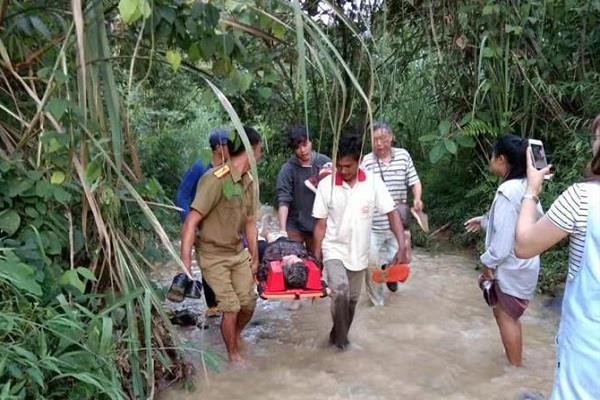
[{"x": 344, "y": 208}]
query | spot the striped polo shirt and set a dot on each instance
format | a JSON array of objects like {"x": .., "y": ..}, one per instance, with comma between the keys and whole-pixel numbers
[{"x": 398, "y": 174}]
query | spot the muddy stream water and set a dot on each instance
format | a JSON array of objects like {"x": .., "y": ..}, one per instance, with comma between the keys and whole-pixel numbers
[{"x": 434, "y": 339}]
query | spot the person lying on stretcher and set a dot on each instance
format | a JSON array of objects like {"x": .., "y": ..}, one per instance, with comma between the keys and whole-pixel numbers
[{"x": 292, "y": 255}]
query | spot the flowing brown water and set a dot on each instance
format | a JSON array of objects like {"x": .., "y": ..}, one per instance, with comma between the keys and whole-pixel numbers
[{"x": 434, "y": 339}]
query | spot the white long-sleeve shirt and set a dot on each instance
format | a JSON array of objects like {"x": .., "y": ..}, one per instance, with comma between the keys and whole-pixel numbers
[{"x": 516, "y": 277}]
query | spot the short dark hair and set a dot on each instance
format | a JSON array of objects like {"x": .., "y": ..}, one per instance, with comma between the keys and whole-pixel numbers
[
  {"x": 383, "y": 126},
  {"x": 514, "y": 148},
  {"x": 350, "y": 145},
  {"x": 235, "y": 144},
  {"x": 296, "y": 135}
]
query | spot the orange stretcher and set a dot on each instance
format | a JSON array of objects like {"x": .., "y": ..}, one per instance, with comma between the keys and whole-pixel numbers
[
  {"x": 393, "y": 273},
  {"x": 273, "y": 288}
]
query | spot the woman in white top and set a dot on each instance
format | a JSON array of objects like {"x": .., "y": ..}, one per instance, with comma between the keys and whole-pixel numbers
[
  {"x": 576, "y": 213},
  {"x": 512, "y": 280}
]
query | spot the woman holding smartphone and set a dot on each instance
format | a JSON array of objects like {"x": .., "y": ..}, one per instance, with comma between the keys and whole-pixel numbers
[
  {"x": 509, "y": 282},
  {"x": 576, "y": 213}
]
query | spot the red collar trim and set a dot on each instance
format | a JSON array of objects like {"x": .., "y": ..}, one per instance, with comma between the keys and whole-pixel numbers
[{"x": 361, "y": 177}]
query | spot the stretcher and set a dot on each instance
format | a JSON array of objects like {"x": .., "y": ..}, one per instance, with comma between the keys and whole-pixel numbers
[
  {"x": 392, "y": 273},
  {"x": 273, "y": 288}
]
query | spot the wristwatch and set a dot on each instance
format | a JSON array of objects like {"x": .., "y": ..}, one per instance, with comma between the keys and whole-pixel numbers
[{"x": 531, "y": 197}]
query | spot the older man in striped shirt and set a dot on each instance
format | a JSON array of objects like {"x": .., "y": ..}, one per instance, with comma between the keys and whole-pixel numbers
[{"x": 395, "y": 167}]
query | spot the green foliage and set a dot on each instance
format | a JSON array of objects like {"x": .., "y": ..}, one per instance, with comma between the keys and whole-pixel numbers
[
  {"x": 78, "y": 357},
  {"x": 171, "y": 118},
  {"x": 70, "y": 217},
  {"x": 472, "y": 71},
  {"x": 51, "y": 348},
  {"x": 91, "y": 138}
]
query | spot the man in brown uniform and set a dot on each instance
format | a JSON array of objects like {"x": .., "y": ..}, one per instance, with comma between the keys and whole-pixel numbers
[{"x": 223, "y": 210}]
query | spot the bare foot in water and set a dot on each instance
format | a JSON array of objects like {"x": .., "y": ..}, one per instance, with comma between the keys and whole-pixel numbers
[{"x": 238, "y": 363}]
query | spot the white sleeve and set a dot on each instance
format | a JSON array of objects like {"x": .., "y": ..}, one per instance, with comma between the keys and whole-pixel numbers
[
  {"x": 411, "y": 173},
  {"x": 564, "y": 212},
  {"x": 383, "y": 200},
  {"x": 322, "y": 198}
]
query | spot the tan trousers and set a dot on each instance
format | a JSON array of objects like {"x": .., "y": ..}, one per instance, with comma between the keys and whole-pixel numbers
[{"x": 345, "y": 288}]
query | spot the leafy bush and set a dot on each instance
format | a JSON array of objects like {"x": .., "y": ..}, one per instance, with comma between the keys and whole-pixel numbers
[
  {"x": 55, "y": 348},
  {"x": 59, "y": 341}
]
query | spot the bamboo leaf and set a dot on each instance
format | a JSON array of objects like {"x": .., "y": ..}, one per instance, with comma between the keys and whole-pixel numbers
[
  {"x": 79, "y": 31},
  {"x": 147, "y": 320},
  {"x": 40, "y": 26},
  {"x": 107, "y": 335},
  {"x": 102, "y": 230},
  {"x": 301, "y": 59},
  {"x": 26, "y": 354},
  {"x": 237, "y": 123},
  {"x": 36, "y": 375},
  {"x": 4, "y": 54},
  {"x": 111, "y": 93},
  {"x": 87, "y": 378}
]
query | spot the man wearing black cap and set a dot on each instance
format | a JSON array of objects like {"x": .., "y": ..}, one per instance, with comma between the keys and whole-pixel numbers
[
  {"x": 223, "y": 209},
  {"x": 187, "y": 191}
]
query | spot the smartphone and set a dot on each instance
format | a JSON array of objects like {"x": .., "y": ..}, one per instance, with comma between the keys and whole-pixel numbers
[
  {"x": 539, "y": 155},
  {"x": 536, "y": 147}
]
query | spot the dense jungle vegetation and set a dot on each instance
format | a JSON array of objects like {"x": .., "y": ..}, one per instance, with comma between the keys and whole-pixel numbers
[{"x": 105, "y": 103}]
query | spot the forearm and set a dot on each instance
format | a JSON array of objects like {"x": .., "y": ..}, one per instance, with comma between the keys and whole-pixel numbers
[
  {"x": 526, "y": 221},
  {"x": 397, "y": 228},
  {"x": 417, "y": 190},
  {"x": 282, "y": 213},
  {"x": 318, "y": 236},
  {"x": 529, "y": 241},
  {"x": 188, "y": 233},
  {"x": 252, "y": 238}
]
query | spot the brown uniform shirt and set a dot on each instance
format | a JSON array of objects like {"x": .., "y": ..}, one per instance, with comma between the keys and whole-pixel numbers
[{"x": 225, "y": 199}]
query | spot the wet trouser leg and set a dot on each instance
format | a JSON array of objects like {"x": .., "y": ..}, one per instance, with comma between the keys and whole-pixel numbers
[
  {"x": 345, "y": 288},
  {"x": 209, "y": 295},
  {"x": 382, "y": 250}
]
